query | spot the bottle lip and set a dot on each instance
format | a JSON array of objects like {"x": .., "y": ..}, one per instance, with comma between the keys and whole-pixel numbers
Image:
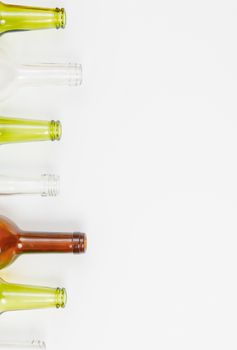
[
  {"x": 61, "y": 18},
  {"x": 51, "y": 185},
  {"x": 39, "y": 343},
  {"x": 55, "y": 130},
  {"x": 79, "y": 242},
  {"x": 61, "y": 297},
  {"x": 75, "y": 74}
]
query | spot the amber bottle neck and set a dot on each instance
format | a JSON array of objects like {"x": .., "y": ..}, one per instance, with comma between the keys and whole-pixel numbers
[{"x": 37, "y": 242}]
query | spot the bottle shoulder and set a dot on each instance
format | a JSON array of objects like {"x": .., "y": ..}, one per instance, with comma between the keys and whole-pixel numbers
[
  {"x": 8, "y": 70},
  {"x": 8, "y": 242},
  {"x": 8, "y": 74},
  {"x": 8, "y": 227}
]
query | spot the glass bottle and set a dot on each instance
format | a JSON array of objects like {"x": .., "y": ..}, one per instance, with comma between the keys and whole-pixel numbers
[
  {"x": 14, "y": 130},
  {"x": 15, "y": 297},
  {"x": 46, "y": 185},
  {"x": 21, "y": 18},
  {"x": 14, "y": 242},
  {"x": 22, "y": 345},
  {"x": 14, "y": 75}
]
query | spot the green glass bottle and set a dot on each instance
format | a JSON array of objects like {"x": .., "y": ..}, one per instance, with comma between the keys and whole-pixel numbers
[
  {"x": 24, "y": 130},
  {"x": 18, "y": 18},
  {"x": 23, "y": 297}
]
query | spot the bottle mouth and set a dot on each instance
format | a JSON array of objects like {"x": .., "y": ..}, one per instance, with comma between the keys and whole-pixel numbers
[
  {"x": 51, "y": 185},
  {"x": 61, "y": 297},
  {"x": 79, "y": 242},
  {"x": 55, "y": 130},
  {"x": 38, "y": 344},
  {"x": 74, "y": 74},
  {"x": 61, "y": 18}
]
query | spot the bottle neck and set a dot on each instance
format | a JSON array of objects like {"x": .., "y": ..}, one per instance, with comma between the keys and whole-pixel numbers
[
  {"x": 19, "y": 18},
  {"x": 22, "y": 345},
  {"x": 36, "y": 242},
  {"x": 23, "y": 130},
  {"x": 46, "y": 185},
  {"x": 24, "y": 297},
  {"x": 50, "y": 74}
]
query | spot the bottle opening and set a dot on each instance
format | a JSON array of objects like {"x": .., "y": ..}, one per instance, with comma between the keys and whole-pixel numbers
[
  {"x": 61, "y": 297},
  {"x": 55, "y": 130},
  {"x": 74, "y": 74},
  {"x": 61, "y": 18},
  {"x": 79, "y": 243},
  {"x": 38, "y": 344},
  {"x": 51, "y": 185}
]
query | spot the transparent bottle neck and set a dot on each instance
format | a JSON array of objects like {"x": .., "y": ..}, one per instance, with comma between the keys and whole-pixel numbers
[
  {"x": 45, "y": 185},
  {"x": 52, "y": 74}
]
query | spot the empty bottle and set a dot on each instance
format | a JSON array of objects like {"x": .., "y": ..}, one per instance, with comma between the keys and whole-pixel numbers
[
  {"x": 46, "y": 185},
  {"x": 21, "y": 18},
  {"x": 13, "y": 130},
  {"x": 14, "y": 75},
  {"x": 15, "y": 297},
  {"x": 14, "y": 242}
]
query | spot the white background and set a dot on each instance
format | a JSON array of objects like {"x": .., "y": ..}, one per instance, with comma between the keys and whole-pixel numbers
[{"x": 148, "y": 168}]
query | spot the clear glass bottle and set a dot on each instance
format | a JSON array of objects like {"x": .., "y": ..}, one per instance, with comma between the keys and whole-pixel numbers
[
  {"x": 21, "y": 18},
  {"x": 13, "y": 130},
  {"x": 22, "y": 345},
  {"x": 15, "y": 297},
  {"x": 46, "y": 185},
  {"x": 14, "y": 75}
]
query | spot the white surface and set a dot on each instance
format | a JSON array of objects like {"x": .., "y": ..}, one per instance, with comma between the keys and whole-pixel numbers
[{"x": 148, "y": 167}]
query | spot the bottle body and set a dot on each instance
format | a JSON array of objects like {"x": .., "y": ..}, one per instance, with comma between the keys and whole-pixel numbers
[
  {"x": 45, "y": 185},
  {"x": 14, "y": 242},
  {"x": 15, "y": 297},
  {"x": 22, "y": 345},
  {"x": 22, "y": 18},
  {"x": 13, "y": 130}
]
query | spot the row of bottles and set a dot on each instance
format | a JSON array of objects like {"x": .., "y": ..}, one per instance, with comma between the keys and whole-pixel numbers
[
  {"x": 13, "y": 75},
  {"x": 14, "y": 241}
]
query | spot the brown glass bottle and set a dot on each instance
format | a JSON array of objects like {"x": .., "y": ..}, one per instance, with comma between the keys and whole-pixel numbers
[{"x": 14, "y": 242}]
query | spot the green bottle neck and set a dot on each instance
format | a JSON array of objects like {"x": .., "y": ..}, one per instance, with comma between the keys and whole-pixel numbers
[
  {"x": 23, "y": 297},
  {"x": 19, "y": 18},
  {"x": 22, "y": 130}
]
